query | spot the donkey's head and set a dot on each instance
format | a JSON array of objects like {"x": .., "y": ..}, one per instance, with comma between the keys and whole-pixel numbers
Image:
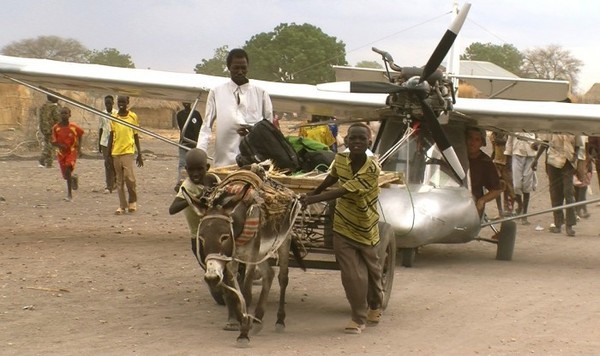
[
  {"x": 222, "y": 221},
  {"x": 215, "y": 230}
]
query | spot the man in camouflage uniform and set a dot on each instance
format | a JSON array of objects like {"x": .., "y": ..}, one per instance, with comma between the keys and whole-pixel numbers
[{"x": 49, "y": 115}]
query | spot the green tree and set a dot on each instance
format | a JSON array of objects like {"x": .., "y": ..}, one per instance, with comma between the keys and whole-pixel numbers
[
  {"x": 552, "y": 62},
  {"x": 295, "y": 54},
  {"x": 48, "y": 47},
  {"x": 369, "y": 64},
  {"x": 506, "y": 56},
  {"x": 110, "y": 57},
  {"x": 216, "y": 65}
]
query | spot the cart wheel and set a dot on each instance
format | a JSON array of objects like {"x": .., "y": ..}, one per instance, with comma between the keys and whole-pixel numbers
[
  {"x": 506, "y": 241},
  {"x": 388, "y": 255},
  {"x": 408, "y": 256}
]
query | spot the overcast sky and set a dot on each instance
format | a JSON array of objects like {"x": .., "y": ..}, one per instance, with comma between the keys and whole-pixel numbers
[{"x": 175, "y": 35}]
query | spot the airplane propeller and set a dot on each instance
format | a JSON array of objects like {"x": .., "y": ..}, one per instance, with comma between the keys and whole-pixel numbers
[
  {"x": 430, "y": 117},
  {"x": 445, "y": 43},
  {"x": 420, "y": 88},
  {"x": 434, "y": 62}
]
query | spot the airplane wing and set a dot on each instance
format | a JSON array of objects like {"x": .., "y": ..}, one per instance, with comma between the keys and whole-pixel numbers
[
  {"x": 530, "y": 116},
  {"x": 299, "y": 98},
  {"x": 513, "y": 88},
  {"x": 518, "y": 88},
  {"x": 500, "y": 114}
]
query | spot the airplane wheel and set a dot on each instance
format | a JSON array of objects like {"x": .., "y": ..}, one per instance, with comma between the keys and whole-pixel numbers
[
  {"x": 408, "y": 256},
  {"x": 506, "y": 241},
  {"x": 387, "y": 240}
]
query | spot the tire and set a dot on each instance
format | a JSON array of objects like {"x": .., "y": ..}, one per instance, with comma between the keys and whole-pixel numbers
[
  {"x": 388, "y": 255},
  {"x": 408, "y": 256},
  {"x": 506, "y": 241}
]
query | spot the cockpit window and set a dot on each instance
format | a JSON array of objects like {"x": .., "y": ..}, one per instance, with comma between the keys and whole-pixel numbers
[{"x": 419, "y": 159}]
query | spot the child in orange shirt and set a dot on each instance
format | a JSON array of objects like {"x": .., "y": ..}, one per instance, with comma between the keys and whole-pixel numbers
[{"x": 66, "y": 136}]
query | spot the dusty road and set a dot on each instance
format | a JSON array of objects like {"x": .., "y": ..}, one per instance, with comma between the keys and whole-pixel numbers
[{"x": 77, "y": 280}]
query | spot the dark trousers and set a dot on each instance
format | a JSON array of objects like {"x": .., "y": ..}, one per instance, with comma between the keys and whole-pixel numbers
[
  {"x": 580, "y": 195},
  {"x": 562, "y": 192},
  {"x": 109, "y": 169}
]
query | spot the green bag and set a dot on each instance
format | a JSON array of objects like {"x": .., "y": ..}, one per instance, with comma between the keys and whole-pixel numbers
[
  {"x": 312, "y": 154},
  {"x": 300, "y": 143}
]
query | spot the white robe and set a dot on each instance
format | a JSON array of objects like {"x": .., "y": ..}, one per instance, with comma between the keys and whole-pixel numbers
[{"x": 222, "y": 107}]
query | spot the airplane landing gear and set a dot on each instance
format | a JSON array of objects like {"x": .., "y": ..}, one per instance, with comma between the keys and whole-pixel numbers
[
  {"x": 408, "y": 256},
  {"x": 506, "y": 241}
]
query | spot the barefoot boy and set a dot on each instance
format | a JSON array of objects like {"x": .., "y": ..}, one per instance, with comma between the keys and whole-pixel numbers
[
  {"x": 196, "y": 185},
  {"x": 66, "y": 136}
]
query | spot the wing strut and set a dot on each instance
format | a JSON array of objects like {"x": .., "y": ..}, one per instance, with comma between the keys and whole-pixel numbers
[{"x": 97, "y": 112}]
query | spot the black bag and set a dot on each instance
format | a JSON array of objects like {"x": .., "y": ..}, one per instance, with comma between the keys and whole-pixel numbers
[
  {"x": 319, "y": 160},
  {"x": 265, "y": 141},
  {"x": 312, "y": 154}
]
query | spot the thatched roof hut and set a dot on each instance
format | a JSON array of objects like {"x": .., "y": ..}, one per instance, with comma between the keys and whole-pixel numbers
[
  {"x": 19, "y": 112},
  {"x": 592, "y": 96},
  {"x": 19, "y": 109}
]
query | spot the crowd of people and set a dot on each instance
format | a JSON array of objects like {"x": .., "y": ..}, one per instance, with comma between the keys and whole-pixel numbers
[
  {"x": 512, "y": 178},
  {"x": 508, "y": 176}
]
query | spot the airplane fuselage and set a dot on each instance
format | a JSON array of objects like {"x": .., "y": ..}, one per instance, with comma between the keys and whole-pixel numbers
[{"x": 424, "y": 214}]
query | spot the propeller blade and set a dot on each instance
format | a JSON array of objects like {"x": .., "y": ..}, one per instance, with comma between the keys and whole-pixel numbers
[
  {"x": 445, "y": 44},
  {"x": 440, "y": 139},
  {"x": 360, "y": 87}
]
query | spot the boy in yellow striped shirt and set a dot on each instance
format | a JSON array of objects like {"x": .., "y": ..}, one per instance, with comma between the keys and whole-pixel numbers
[{"x": 355, "y": 229}]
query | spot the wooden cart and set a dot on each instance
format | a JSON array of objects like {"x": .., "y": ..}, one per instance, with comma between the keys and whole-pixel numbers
[{"x": 314, "y": 226}]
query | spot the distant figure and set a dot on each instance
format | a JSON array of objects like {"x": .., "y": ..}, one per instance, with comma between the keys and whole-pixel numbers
[
  {"x": 103, "y": 135},
  {"x": 276, "y": 121},
  {"x": 522, "y": 151},
  {"x": 67, "y": 137},
  {"x": 189, "y": 138},
  {"x": 562, "y": 154},
  {"x": 581, "y": 182},
  {"x": 503, "y": 164},
  {"x": 234, "y": 107},
  {"x": 49, "y": 116},
  {"x": 123, "y": 143},
  {"x": 593, "y": 151},
  {"x": 196, "y": 184},
  {"x": 482, "y": 171},
  {"x": 333, "y": 127},
  {"x": 355, "y": 226}
]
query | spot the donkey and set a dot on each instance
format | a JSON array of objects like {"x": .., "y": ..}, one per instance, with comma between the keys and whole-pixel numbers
[{"x": 248, "y": 220}]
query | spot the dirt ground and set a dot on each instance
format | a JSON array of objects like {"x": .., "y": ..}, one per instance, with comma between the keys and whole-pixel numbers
[{"x": 77, "y": 280}]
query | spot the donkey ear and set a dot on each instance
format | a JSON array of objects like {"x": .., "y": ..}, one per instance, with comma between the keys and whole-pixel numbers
[{"x": 198, "y": 205}]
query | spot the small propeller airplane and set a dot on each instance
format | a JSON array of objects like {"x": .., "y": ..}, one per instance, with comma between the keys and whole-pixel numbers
[{"x": 422, "y": 131}]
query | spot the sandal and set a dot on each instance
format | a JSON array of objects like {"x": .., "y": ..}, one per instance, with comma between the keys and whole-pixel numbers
[
  {"x": 132, "y": 207},
  {"x": 354, "y": 328},
  {"x": 554, "y": 229},
  {"x": 373, "y": 316}
]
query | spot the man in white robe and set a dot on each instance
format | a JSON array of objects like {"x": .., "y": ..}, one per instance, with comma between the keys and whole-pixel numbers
[{"x": 234, "y": 106}]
